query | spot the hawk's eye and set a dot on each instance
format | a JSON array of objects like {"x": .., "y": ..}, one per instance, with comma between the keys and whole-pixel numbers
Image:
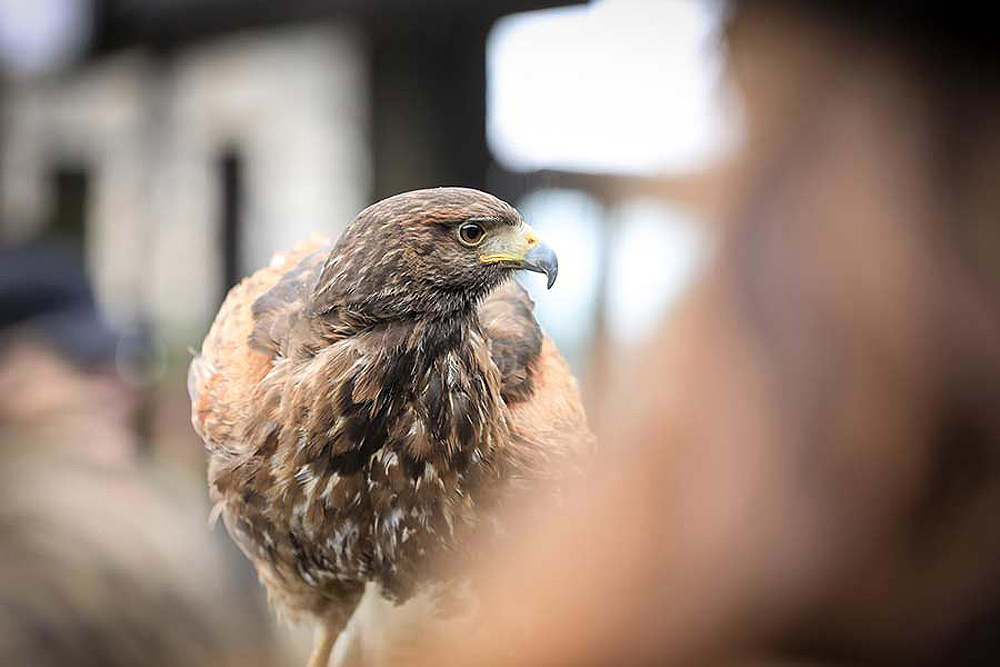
[{"x": 471, "y": 234}]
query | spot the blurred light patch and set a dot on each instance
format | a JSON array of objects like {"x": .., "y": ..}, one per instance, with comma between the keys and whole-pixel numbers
[
  {"x": 40, "y": 36},
  {"x": 570, "y": 222},
  {"x": 625, "y": 86},
  {"x": 655, "y": 256}
]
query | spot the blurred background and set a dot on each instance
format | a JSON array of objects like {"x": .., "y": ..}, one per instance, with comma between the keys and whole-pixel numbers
[
  {"x": 153, "y": 152},
  {"x": 816, "y": 441}
]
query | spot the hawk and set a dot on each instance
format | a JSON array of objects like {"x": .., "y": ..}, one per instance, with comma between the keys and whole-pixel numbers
[{"x": 368, "y": 407}]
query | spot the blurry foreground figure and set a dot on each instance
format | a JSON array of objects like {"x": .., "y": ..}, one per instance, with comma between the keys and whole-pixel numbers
[
  {"x": 99, "y": 564},
  {"x": 58, "y": 375},
  {"x": 805, "y": 466},
  {"x": 369, "y": 406}
]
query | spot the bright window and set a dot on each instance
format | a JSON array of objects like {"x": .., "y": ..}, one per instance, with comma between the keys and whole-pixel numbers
[{"x": 623, "y": 86}]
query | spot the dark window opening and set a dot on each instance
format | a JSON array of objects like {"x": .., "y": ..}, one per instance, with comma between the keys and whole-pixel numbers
[
  {"x": 230, "y": 169},
  {"x": 70, "y": 188}
]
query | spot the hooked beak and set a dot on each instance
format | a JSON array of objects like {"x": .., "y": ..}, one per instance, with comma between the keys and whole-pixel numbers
[
  {"x": 523, "y": 250},
  {"x": 542, "y": 259}
]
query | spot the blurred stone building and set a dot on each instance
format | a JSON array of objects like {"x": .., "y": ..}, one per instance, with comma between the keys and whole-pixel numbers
[{"x": 159, "y": 167}]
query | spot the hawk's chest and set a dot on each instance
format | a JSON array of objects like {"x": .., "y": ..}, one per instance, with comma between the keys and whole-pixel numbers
[{"x": 386, "y": 458}]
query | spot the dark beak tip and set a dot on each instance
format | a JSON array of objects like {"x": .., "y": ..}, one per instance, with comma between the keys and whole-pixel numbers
[{"x": 543, "y": 260}]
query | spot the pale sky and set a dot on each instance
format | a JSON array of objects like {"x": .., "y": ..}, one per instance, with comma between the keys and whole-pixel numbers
[{"x": 38, "y": 36}]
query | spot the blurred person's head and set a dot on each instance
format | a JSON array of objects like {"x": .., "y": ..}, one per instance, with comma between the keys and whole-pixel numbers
[
  {"x": 57, "y": 359},
  {"x": 806, "y": 461},
  {"x": 97, "y": 569}
]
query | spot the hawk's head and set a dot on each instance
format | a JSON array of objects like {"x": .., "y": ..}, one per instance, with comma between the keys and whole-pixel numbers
[{"x": 429, "y": 252}]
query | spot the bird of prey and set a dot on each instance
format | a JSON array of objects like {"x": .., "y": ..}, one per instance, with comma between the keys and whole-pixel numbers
[{"x": 367, "y": 407}]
